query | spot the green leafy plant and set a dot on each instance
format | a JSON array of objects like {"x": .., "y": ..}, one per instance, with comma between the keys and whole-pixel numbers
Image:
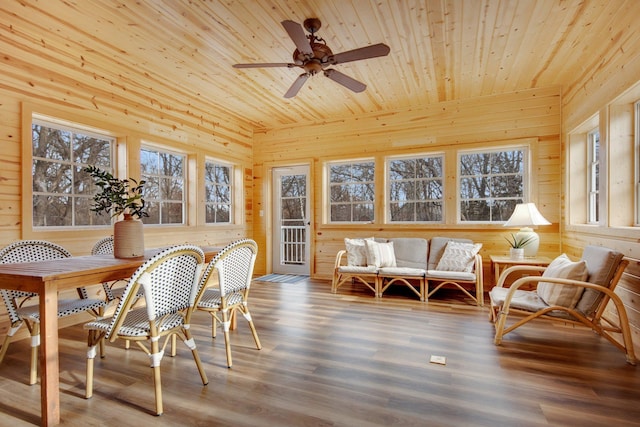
[
  {"x": 117, "y": 196},
  {"x": 518, "y": 243}
]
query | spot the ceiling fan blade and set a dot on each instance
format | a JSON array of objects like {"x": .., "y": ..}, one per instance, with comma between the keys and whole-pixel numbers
[
  {"x": 268, "y": 64},
  {"x": 296, "y": 33},
  {"x": 345, "y": 80},
  {"x": 295, "y": 87},
  {"x": 372, "y": 51}
]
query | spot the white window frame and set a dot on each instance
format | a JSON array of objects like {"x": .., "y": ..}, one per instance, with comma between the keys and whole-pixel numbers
[
  {"x": 526, "y": 156},
  {"x": 145, "y": 176},
  {"x": 207, "y": 202},
  {"x": 330, "y": 184},
  {"x": 73, "y": 128},
  {"x": 593, "y": 176},
  {"x": 636, "y": 137},
  {"x": 414, "y": 180}
]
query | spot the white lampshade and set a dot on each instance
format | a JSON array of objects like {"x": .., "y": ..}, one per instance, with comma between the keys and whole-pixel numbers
[{"x": 525, "y": 215}]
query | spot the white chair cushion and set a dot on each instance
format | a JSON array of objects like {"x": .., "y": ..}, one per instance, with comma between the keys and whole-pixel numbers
[
  {"x": 380, "y": 254},
  {"x": 401, "y": 271},
  {"x": 356, "y": 269},
  {"x": 356, "y": 251},
  {"x": 459, "y": 257},
  {"x": 451, "y": 275},
  {"x": 563, "y": 295}
]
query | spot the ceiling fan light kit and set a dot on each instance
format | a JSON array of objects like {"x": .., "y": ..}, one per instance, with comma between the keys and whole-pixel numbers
[{"x": 314, "y": 56}]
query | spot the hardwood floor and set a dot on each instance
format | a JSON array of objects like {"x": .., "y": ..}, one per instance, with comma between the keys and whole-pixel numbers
[{"x": 346, "y": 360}]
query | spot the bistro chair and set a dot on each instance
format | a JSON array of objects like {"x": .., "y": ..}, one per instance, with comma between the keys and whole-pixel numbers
[
  {"x": 171, "y": 283},
  {"x": 580, "y": 293},
  {"x": 19, "y": 307},
  {"x": 233, "y": 268},
  {"x": 111, "y": 292}
]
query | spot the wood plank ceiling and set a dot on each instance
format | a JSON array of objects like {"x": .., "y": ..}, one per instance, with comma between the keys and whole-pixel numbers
[{"x": 441, "y": 50}]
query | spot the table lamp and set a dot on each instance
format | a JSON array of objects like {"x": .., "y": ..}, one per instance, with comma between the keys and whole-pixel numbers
[{"x": 525, "y": 215}]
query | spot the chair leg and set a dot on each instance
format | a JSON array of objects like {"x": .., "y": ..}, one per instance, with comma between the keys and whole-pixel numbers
[
  {"x": 214, "y": 324},
  {"x": 247, "y": 315},
  {"x": 35, "y": 345},
  {"x": 156, "y": 357},
  {"x": 226, "y": 323},
  {"x": 190, "y": 342},
  {"x": 7, "y": 340}
]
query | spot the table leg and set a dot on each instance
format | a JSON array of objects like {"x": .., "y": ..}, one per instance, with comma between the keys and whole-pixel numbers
[
  {"x": 49, "y": 365},
  {"x": 496, "y": 272}
]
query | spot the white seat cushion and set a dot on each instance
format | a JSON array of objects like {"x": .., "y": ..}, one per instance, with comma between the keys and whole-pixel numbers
[
  {"x": 401, "y": 271},
  {"x": 451, "y": 275}
]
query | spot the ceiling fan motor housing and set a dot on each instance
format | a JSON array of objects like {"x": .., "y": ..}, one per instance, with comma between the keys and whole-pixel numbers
[{"x": 314, "y": 64}]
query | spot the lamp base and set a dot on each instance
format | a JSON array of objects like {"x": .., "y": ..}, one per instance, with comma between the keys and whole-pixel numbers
[{"x": 531, "y": 248}]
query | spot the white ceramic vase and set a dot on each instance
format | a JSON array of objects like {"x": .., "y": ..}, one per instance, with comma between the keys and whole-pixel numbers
[
  {"x": 516, "y": 253},
  {"x": 128, "y": 238}
]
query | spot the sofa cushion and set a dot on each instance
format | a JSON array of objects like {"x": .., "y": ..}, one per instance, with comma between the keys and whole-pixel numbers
[
  {"x": 451, "y": 275},
  {"x": 380, "y": 254},
  {"x": 558, "y": 294},
  {"x": 357, "y": 269},
  {"x": 401, "y": 271},
  {"x": 602, "y": 264},
  {"x": 459, "y": 256},
  {"x": 411, "y": 252},
  {"x": 356, "y": 251},
  {"x": 437, "y": 246}
]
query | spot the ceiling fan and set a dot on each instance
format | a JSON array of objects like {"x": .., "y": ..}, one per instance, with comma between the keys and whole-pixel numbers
[{"x": 313, "y": 55}]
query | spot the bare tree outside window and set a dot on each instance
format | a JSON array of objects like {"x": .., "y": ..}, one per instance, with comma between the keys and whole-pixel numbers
[
  {"x": 164, "y": 173},
  {"x": 416, "y": 189},
  {"x": 61, "y": 190},
  {"x": 491, "y": 184},
  {"x": 218, "y": 194},
  {"x": 351, "y": 191}
]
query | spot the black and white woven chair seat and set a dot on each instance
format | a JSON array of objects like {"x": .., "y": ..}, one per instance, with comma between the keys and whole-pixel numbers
[{"x": 137, "y": 323}]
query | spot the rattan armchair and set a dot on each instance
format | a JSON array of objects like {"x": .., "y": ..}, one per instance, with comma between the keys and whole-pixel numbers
[
  {"x": 589, "y": 298},
  {"x": 18, "y": 303},
  {"x": 171, "y": 284},
  {"x": 233, "y": 268}
]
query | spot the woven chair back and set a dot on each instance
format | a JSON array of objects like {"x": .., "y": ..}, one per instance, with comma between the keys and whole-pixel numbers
[{"x": 170, "y": 282}]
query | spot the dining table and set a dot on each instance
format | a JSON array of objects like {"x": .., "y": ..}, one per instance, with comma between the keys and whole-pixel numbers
[{"x": 47, "y": 278}]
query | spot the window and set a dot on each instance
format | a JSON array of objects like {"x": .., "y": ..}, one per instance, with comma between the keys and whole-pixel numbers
[
  {"x": 593, "y": 184},
  {"x": 164, "y": 173},
  {"x": 351, "y": 191},
  {"x": 62, "y": 192},
  {"x": 218, "y": 192},
  {"x": 416, "y": 189},
  {"x": 491, "y": 184}
]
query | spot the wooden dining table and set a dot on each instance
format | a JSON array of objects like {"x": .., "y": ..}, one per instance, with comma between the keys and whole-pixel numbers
[{"x": 47, "y": 278}]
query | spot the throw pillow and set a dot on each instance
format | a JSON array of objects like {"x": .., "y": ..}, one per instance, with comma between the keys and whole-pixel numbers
[
  {"x": 356, "y": 252},
  {"x": 563, "y": 295},
  {"x": 380, "y": 254},
  {"x": 459, "y": 256}
]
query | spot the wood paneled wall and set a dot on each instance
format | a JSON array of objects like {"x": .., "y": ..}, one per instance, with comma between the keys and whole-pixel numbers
[
  {"x": 596, "y": 91},
  {"x": 47, "y": 77},
  {"x": 531, "y": 116}
]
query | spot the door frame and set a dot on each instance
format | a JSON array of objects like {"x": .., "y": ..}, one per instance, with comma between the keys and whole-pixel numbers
[{"x": 274, "y": 236}]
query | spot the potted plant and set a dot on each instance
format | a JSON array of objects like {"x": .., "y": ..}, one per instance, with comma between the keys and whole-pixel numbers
[
  {"x": 517, "y": 244},
  {"x": 121, "y": 197}
]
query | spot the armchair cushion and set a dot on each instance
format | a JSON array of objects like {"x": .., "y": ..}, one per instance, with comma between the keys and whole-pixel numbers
[
  {"x": 459, "y": 256},
  {"x": 380, "y": 254},
  {"x": 356, "y": 251},
  {"x": 558, "y": 294},
  {"x": 602, "y": 263}
]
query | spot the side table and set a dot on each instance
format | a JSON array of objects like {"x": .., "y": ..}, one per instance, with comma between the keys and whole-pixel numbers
[{"x": 498, "y": 261}]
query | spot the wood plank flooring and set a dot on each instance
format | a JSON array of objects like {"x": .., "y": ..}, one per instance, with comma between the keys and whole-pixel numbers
[{"x": 346, "y": 360}]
